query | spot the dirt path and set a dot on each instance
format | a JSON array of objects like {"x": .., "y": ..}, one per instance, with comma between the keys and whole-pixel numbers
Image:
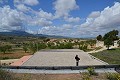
[{"x": 104, "y": 48}]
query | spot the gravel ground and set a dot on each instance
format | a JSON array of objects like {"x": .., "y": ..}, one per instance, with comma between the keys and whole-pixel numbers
[{"x": 62, "y": 57}]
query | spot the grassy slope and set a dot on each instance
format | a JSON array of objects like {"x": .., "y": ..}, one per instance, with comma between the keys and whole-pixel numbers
[{"x": 109, "y": 56}]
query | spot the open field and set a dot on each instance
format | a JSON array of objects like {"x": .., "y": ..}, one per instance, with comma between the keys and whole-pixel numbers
[
  {"x": 13, "y": 54},
  {"x": 110, "y": 56}
]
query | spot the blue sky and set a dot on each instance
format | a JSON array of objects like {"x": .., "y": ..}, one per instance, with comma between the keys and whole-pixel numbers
[{"x": 72, "y": 18}]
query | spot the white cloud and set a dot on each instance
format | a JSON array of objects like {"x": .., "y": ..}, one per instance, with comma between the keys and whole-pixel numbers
[
  {"x": 67, "y": 26},
  {"x": 36, "y": 18},
  {"x": 102, "y": 22},
  {"x": 10, "y": 19},
  {"x": 63, "y": 7},
  {"x": 63, "y": 30},
  {"x": 41, "y": 22},
  {"x": 94, "y": 14},
  {"x": 72, "y": 19},
  {"x": 31, "y": 31},
  {"x": 27, "y": 2},
  {"x": 31, "y": 2},
  {"x": 96, "y": 23},
  {"x": 45, "y": 15},
  {"x": 22, "y": 7},
  {"x": 51, "y": 30}
]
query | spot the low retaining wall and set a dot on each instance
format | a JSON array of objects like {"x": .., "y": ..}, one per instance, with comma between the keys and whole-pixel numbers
[{"x": 60, "y": 67}]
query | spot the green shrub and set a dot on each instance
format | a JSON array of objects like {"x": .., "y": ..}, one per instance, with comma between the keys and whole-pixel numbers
[
  {"x": 4, "y": 58},
  {"x": 5, "y": 48},
  {"x": 113, "y": 76},
  {"x": 86, "y": 76},
  {"x": 25, "y": 48},
  {"x": 91, "y": 71}
]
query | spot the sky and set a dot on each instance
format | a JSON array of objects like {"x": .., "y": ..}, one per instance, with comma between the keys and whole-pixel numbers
[{"x": 71, "y": 18}]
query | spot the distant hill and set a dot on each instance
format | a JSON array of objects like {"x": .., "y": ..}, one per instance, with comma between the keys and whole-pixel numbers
[
  {"x": 23, "y": 33},
  {"x": 16, "y": 33},
  {"x": 26, "y": 34}
]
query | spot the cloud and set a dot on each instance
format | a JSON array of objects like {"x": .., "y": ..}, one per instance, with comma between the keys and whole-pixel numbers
[
  {"x": 27, "y": 2},
  {"x": 104, "y": 21},
  {"x": 31, "y": 2},
  {"x": 22, "y": 7},
  {"x": 72, "y": 19},
  {"x": 3, "y": 1},
  {"x": 45, "y": 15},
  {"x": 51, "y": 30},
  {"x": 10, "y": 19},
  {"x": 94, "y": 14},
  {"x": 32, "y": 17},
  {"x": 40, "y": 22},
  {"x": 62, "y": 30},
  {"x": 98, "y": 22},
  {"x": 63, "y": 7}
]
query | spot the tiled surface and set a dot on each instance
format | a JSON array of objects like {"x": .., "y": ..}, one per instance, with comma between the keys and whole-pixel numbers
[
  {"x": 21, "y": 61},
  {"x": 62, "y": 57}
]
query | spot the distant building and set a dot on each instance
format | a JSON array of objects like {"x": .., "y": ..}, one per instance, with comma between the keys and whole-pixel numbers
[{"x": 99, "y": 44}]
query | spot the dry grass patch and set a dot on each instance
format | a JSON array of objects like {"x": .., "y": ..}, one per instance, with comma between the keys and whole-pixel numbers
[
  {"x": 13, "y": 54},
  {"x": 81, "y": 76}
]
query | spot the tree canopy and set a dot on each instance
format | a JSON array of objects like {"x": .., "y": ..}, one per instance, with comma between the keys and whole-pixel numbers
[
  {"x": 99, "y": 37},
  {"x": 110, "y": 37},
  {"x": 5, "y": 48}
]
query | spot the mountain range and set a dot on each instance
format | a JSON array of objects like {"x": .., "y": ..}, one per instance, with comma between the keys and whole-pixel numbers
[{"x": 23, "y": 33}]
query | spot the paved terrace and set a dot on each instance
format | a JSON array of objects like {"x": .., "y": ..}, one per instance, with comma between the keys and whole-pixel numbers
[
  {"x": 21, "y": 61},
  {"x": 62, "y": 57}
]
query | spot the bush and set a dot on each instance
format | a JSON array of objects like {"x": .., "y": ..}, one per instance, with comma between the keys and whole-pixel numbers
[
  {"x": 61, "y": 46},
  {"x": 5, "y": 48},
  {"x": 91, "y": 71},
  {"x": 4, "y": 58},
  {"x": 83, "y": 47},
  {"x": 86, "y": 76},
  {"x": 25, "y": 48},
  {"x": 113, "y": 76}
]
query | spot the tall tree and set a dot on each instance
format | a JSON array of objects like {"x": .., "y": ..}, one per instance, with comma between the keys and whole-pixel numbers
[
  {"x": 99, "y": 37},
  {"x": 110, "y": 37},
  {"x": 108, "y": 42},
  {"x": 112, "y": 34},
  {"x": 25, "y": 48},
  {"x": 33, "y": 47}
]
